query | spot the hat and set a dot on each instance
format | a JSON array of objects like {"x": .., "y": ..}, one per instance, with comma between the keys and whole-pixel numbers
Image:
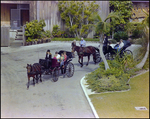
[
  {"x": 48, "y": 50},
  {"x": 105, "y": 35}
]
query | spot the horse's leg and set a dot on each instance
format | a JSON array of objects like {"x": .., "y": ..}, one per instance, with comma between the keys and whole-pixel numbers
[
  {"x": 37, "y": 78},
  {"x": 40, "y": 77},
  {"x": 94, "y": 57},
  {"x": 33, "y": 81},
  {"x": 88, "y": 60},
  {"x": 81, "y": 61},
  {"x": 28, "y": 82}
]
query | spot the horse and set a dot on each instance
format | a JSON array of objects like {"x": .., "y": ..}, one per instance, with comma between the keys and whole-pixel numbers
[
  {"x": 85, "y": 51},
  {"x": 33, "y": 71}
]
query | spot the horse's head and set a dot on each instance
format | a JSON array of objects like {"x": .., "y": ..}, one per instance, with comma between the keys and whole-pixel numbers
[
  {"x": 29, "y": 68},
  {"x": 73, "y": 48}
]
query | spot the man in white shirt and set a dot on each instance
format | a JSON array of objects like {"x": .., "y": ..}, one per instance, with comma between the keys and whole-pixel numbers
[
  {"x": 121, "y": 44},
  {"x": 82, "y": 42}
]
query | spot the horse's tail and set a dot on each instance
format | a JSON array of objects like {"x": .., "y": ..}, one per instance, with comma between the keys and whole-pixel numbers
[{"x": 96, "y": 49}]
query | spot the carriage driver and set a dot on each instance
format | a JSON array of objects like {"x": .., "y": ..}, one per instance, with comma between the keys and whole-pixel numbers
[
  {"x": 82, "y": 43},
  {"x": 48, "y": 58},
  {"x": 105, "y": 43}
]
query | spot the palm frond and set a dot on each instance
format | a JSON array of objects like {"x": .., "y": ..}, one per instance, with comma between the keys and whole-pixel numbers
[
  {"x": 112, "y": 15},
  {"x": 96, "y": 18},
  {"x": 100, "y": 26}
]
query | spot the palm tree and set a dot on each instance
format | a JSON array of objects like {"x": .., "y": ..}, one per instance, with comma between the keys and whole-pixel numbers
[
  {"x": 102, "y": 26},
  {"x": 146, "y": 34}
]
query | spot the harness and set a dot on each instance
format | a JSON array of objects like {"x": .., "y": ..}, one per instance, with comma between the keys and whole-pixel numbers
[{"x": 33, "y": 72}]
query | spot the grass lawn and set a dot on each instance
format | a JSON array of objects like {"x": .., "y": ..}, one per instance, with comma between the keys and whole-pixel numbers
[{"x": 122, "y": 104}]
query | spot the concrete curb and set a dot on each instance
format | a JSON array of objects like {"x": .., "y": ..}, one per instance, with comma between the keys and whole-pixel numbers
[{"x": 89, "y": 101}]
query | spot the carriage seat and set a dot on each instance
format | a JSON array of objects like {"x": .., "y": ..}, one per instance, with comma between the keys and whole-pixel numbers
[{"x": 55, "y": 63}]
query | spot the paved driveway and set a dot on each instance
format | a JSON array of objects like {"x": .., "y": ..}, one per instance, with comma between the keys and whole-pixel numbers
[{"x": 63, "y": 98}]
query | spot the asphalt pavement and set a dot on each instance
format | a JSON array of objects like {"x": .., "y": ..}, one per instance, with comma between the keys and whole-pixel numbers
[{"x": 64, "y": 98}]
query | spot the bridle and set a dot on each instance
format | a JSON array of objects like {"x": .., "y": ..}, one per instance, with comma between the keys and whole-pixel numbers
[{"x": 29, "y": 68}]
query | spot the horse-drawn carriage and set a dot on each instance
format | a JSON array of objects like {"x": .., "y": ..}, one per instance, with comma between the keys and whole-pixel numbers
[
  {"x": 38, "y": 69},
  {"x": 109, "y": 53}
]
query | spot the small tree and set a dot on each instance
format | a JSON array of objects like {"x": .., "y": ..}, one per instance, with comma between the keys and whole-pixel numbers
[
  {"x": 102, "y": 26},
  {"x": 77, "y": 16}
]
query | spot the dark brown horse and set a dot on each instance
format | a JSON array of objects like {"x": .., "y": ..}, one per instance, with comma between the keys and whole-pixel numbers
[
  {"x": 85, "y": 51},
  {"x": 33, "y": 71}
]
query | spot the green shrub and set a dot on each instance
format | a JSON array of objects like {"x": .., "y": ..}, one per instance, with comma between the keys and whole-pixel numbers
[
  {"x": 71, "y": 39},
  {"x": 120, "y": 35},
  {"x": 57, "y": 32},
  {"x": 113, "y": 79},
  {"x": 136, "y": 34},
  {"x": 34, "y": 28}
]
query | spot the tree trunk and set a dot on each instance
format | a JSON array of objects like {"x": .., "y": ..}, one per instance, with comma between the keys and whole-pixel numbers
[
  {"x": 141, "y": 64},
  {"x": 102, "y": 54}
]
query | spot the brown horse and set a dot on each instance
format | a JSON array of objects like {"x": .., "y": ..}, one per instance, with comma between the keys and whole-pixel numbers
[
  {"x": 85, "y": 51},
  {"x": 33, "y": 71}
]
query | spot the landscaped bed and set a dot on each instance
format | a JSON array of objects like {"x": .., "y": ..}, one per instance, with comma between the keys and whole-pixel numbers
[{"x": 122, "y": 104}]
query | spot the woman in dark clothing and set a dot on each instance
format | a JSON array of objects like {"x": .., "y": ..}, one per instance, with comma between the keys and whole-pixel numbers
[{"x": 48, "y": 58}]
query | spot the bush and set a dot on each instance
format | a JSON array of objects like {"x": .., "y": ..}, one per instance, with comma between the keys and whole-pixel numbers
[
  {"x": 136, "y": 34},
  {"x": 113, "y": 79},
  {"x": 57, "y": 32},
  {"x": 71, "y": 39},
  {"x": 120, "y": 35},
  {"x": 33, "y": 29}
]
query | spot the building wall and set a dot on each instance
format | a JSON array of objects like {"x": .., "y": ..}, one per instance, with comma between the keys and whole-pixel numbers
[
  {"x": 5, "y": 13},
  {"x": 137, "y": 14},
  {"x": 48, "y": 10}
]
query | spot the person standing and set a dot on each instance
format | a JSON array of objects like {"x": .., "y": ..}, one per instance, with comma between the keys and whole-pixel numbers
[
  {"x": 105, "y": 43},
  {"x": 82, "y": 42}
]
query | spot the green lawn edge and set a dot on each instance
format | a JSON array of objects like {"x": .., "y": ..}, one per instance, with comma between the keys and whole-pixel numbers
[{"x": 122, "y": 104}]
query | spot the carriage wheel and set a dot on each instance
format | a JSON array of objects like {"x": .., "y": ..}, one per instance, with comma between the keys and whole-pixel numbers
[
  {"x": 98, "y": 58},
  {"x": 127, "y": 52},
  {"x": 69, "y": 69},
  {"x": 55, "y": 75},
  {"x": 108, "y": 56}
]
